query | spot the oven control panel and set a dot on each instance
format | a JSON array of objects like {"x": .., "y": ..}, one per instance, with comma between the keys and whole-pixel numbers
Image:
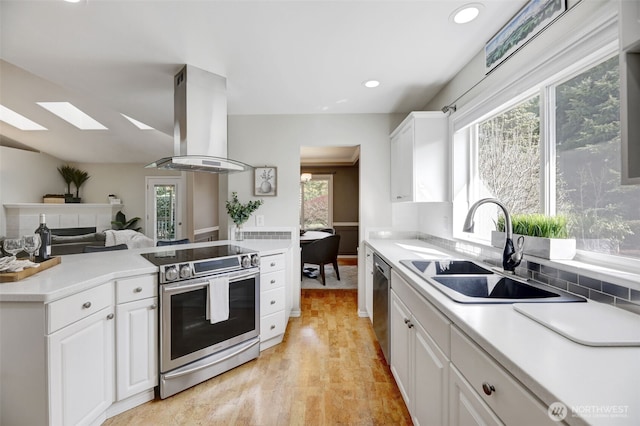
[{"x": 183, "y": 271}]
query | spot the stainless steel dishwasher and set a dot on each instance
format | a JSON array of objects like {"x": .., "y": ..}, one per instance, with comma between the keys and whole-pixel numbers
[{"x": 381, "y": 276}]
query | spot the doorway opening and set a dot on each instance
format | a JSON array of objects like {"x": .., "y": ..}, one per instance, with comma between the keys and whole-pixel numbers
[{"x": 329, "y": 203}]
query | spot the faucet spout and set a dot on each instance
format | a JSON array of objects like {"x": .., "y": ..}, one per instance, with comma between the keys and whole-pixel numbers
[{"x": 511, "y": 257}]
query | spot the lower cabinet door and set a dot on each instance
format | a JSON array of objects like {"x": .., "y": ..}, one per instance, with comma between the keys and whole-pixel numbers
[
  {"x": 401, "y": 348},
  {"x": 137, "y": 347},
  {"x": 81, "y": 365},
  {"x": 466, "y": 408},
  {"x": 431, "y": 381}
]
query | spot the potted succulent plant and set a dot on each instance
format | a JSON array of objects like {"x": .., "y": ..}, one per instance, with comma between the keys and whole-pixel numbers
[
  {"x": 240, "y": 213},
  {"x": 544, "y": 236}
]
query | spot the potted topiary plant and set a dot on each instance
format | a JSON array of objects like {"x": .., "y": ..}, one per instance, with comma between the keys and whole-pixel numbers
[
  {"x": 240, "y": 213},
  {"x": 79, "y": 178},
  {"x": 67, "y": 173},
  {"x": 544, "y": 236}
]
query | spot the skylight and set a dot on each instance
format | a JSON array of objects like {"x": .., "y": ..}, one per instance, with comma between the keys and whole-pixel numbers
[
  {"x": 72, "y": 114},
  {"x": 140, "y": 125},
  {"x": 18, "y": 121}
]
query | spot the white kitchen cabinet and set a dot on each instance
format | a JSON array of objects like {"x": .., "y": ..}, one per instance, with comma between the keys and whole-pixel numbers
[
  {"x": 466, "y": 408},
  {"x": 507, "y": 398},
  {"x": 136, "y": 335},
  {"x": 418, "y": 364},
  {"x": 81, "y": 365},
  {"x": 273, "y": 320},
  {"x": 629, "y": 24},
  {"x": 368, "y": 282},
  {"x": 420, "y": 158}
]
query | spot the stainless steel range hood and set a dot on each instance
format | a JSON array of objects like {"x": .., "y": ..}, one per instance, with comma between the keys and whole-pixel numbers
[{"x": 200, "y": 125}]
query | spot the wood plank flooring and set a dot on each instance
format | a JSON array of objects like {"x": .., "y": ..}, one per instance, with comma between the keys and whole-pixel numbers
[{"x": 329, "y": 370}]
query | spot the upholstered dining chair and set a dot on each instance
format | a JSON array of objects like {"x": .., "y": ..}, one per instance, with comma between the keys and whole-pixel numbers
[{"x": 322, "y": 252}]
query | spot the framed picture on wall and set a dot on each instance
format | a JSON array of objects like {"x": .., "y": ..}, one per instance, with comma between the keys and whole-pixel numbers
[
  {"x": 529, "y": 21},
  {"x": 265, "y": 181}
]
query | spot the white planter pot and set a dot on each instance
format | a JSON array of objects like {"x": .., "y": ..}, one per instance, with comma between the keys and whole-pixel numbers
[{"x": 546, "y": 248}]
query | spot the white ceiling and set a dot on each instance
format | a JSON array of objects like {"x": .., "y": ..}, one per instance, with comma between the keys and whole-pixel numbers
[{"x": 279, "y": 57}]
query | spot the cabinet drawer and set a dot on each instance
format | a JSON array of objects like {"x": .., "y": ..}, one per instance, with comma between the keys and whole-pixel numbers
[
  {"x": 75, "y": 307},
  {"x": 272, "y": 262},
  {"x": 136, "y": 288},
  {"x": 272, "y": 325},
  {"x": 271, "y": 301},
  {"x": 509, "y": 399},
  {"x": 431, "y": 319},
  {"x": 271, "y": 280}
]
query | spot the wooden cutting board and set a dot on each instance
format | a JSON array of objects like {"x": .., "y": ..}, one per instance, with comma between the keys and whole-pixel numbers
[
  {"x": 589, "y": 323},
  {"x": 6, "y": 277}
]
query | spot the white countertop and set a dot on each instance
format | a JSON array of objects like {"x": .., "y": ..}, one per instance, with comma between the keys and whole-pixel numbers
[
  {"x": 79, "y": 272},
  {"x": 553, "y": 367}
]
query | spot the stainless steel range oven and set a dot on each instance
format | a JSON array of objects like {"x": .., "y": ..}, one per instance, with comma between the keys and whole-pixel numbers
[{"x": 209, "y": 313}]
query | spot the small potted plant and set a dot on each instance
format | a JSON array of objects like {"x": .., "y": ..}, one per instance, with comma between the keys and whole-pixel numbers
[
  {"x": 240, "y": 213},
  {"x": 544, "y": 236},
  {"x": 79, "y": 178},
  {"x": 67, "y": 173}
]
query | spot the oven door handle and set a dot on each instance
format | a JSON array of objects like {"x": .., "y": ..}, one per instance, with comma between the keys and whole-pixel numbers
[
  {"x": 200, "y": 367},
  {"x": 180, "y": 288}
]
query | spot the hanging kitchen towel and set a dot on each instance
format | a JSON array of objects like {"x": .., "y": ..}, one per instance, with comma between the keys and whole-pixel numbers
[{"x": 218, "y": 300}]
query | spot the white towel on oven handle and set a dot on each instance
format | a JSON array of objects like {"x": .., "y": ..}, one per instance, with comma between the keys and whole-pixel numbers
[{"x": 218, "y": 300}]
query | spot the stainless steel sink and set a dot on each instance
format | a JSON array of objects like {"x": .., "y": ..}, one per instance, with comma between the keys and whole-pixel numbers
[{"x": 467, "y": 282}]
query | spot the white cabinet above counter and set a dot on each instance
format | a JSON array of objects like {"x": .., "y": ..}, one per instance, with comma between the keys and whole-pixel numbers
[{"x": 420, "y": 158}]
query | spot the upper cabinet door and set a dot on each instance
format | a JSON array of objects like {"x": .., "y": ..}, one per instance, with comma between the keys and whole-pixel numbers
[
  {"x": 420, "y": 158},
  {"x": 629, "y": 22}
]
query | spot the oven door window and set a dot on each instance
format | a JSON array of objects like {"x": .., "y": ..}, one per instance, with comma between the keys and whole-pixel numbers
[{"x": 191, "y": 331}]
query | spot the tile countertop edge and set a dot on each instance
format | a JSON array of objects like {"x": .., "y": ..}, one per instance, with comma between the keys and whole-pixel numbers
[
  {"x": 77, "y": 273},
  {"x": 557, "y": 370}
]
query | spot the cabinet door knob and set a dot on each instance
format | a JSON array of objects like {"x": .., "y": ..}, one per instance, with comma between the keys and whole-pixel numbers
[
  {"x": 273, "y": 302},
  {"x": 137, "y": 290},
  {"x": 272, "y": 327},
  {"x": 487, "y": 388},
  {"x": 153, "y": 306},
  {"x": 273, "y": 263},
  {"x": 86, "y": 305},
  {"x": 110, "y": 316},
  {"x": 406, "y": 320},
  {"x": 410, "y": 325},
  {"x": 273, "y": 281}
]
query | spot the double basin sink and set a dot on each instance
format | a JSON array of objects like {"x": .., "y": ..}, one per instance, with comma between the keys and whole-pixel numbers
[{"x": 467, "y": 282}]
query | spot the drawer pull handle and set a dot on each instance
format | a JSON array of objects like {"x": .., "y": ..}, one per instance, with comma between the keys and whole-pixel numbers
[
  {"x": 153, "y": 306},
  {"x": 487, "y": 388},
  {"x": 273, "y": 302},
  {"x": 86, "y": 305},
  {"x": 273, "y": 264},
  {"x": 110, "y": 316},
  {"x": 272, "y": 327},
  {"x": 138, "y": 290},
  {"x": 273, "y": 281}
]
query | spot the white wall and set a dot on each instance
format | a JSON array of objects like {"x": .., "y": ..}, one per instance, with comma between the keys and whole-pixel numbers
[
  {"x": 275, "y": 140},
  {"x": 25, "y": 177},
  {"x": 126, "y": 181}
]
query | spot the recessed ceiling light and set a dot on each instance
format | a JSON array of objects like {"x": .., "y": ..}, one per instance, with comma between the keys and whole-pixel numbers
[
  {"x": 371, "y": 83},
  {"x": 72, "y": 114},
  {"x": 466, "y": 13},
  {"x": 140, "y": 125},
  {"x": 18, "y": 121}
]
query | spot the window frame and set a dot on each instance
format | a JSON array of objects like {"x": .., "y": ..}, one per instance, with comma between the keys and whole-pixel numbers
[
  {"x": 602, "y": 45},
  {"x": 329, "y": 179}
]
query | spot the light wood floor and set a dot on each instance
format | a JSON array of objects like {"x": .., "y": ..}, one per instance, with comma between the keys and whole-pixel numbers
[{"x": 329, "y": 370}]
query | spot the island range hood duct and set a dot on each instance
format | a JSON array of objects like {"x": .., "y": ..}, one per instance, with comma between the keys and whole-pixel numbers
[{"x": 200, "y": 125}]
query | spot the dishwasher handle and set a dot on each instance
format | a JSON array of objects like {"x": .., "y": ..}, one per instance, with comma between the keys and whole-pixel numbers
[{"x": 381, "y": 266}]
